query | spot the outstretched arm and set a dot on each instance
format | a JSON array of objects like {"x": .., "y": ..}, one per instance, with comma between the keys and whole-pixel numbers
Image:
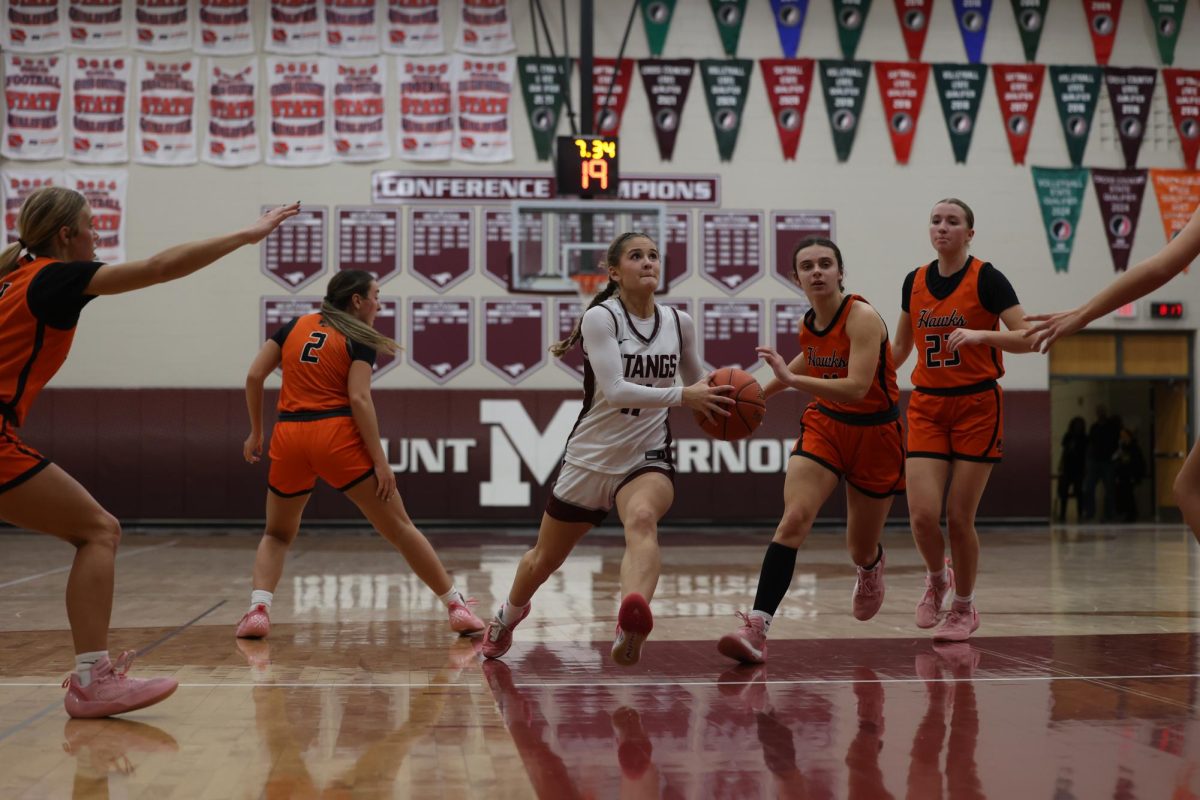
[
  {"x": 1138, "y": 281},
  {"x": 183, "y": 259}
]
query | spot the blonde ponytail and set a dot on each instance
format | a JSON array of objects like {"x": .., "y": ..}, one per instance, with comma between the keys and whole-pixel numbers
[
  {"x": 341, "y": 290},
  {"x": 9, "y": 258},
  {"x": 43, "y": 213}
]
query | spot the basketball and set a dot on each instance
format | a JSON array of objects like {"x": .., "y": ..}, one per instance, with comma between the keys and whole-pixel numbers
[{"x": 747, "y": 413}]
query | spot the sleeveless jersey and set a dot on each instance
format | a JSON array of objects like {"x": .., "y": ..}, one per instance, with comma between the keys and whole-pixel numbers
[
  {"x": 316, "y": 365},
  {"x": 30, "y": 350},
  {"x": 614, "y": 440},
  {"x": 932, "y": 322},
  {"x": 827, "y": 355}
]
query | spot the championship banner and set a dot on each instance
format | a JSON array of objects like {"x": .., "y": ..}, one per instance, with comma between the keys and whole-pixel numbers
[
  {"x": 33, "y": 92},
  {"x": 359, "y": 129},
  {"x": 162, "y": 26},
  {"x": 1103, "y": 17},
  {"x": 351, "y": 29},
  {"x": 666, "y": 84},
  {"x": 972, "y": 18},
  {"x": 413, "y": 28},
  {"x": 960, "y": 89},
  {"x": 484, "y": 28},
  {"x": 1183, "y": 95},
  {"x": 166, "y": 130},
  {"x": 15, "y": 186},
  {"x": 1120, "y": 193},
  {"x": 844, "y": 83},
  {"x": 789, "y": 23},
  {"x": 902, "y": 89},
  {"x": 789, "y": 81},
  {"x": 482, "y": 96},
  {"x": 1019, "y": 89},
  {"x": 1076, "y": 91},
  {"x": 1178, "y": 193},
  {"x": 293, "y": 27},
  {"x": 34, "y": 26},
  {"x": 514, "y": 336},
  {"x": 1167, "y": 16},
  {"x": 426, "y": 130},
  {"x": 604, "y": 72},
  {"x": 225, "y": 28},
  {"x": 544, "y": 82},
  {"x": 726, "y": 82},
  {"x": 729, "y": 14},
  {"x": 1060, "y": 196},
  {"x": 104, "y": 191},
  {"x": 99, "y": 109},
  {"x": 97, "y": 24},
  {"x": 1130, "y": 91},
  {"x": 1031, "y": 19},
  {"x": 231, "y": 138},
  {"x": 656, "y": 18},
  {"x": 298, "y": 89},
  {"x": 851, "y": 16},
  {"x": 914, "y": 24}
]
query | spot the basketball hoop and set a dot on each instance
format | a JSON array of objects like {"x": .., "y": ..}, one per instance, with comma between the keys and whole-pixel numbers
[{"x": 588, "y": 283}]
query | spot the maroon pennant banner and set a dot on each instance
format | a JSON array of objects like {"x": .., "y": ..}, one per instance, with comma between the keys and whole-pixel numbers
[
  {"x": 666, "y": 84},
  {"x": 1019, "y": 89},
  {"x": 902, "y": 89},
  {"x": 1103, "y": 17},
  {"x": 607, "y": 108},
  {"x": 1130, "y": 91},
  {"x": 1183, "y": 95},
  {"x": 914, "y": 23},
  {"x": 1120, "y": 192},
  {"x": 789, "y": 81}
]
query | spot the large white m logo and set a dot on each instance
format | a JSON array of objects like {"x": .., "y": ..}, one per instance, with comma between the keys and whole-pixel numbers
[{"x": 516, "y": 440}]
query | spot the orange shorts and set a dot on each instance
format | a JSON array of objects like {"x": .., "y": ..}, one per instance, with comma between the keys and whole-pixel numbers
[
  {"x": 871, "y": 457},
  {"x": 330, "y": 449},
  {"x": 18, "y": 461},
  {"x": 969, "y": 427}
]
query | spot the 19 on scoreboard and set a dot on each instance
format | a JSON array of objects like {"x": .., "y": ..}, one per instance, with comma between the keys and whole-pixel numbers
[{"x": 587, "y": 165}]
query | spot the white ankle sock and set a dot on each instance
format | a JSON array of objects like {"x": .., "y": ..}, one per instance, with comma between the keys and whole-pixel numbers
[
  {"x": 84, "y": 663},
  {"x": 261, "y": 597},
  {"x": 765, "y": 617},
  {"x": 939, "y": 577},
  {"x": 510, "y": 615},
  {"x": 958, "y": 598},
  {"x": 452, "y": 596}
]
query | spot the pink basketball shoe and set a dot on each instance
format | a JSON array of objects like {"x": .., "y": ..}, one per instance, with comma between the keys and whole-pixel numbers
[
  {"x": 112, "y": 692},
  {"x": 463, "y": 620},
  {"x": 634, "y": 623},
  {"x": 498, "y": 638},
  {"x": 255, "y": 623},
  {"x": 748, "y": 644}
]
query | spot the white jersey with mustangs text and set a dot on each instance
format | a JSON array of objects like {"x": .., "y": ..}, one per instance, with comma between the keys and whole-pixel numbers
[{"x": 611, "y": 439}]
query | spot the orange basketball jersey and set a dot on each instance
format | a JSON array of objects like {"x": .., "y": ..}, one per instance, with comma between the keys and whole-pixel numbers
[
  {"x": 932, "y": 322},
  {"x": 827, "y": 355},
  {"x": 30, "y": 350},
  {"x": 316, "y": 364}
]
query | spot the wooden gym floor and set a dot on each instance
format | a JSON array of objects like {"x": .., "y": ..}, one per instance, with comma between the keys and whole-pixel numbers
[{"x": 1081, "y": 683}]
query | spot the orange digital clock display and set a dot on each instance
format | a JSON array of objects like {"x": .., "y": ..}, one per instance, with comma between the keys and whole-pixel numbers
[{"x": 587, "y": 166}]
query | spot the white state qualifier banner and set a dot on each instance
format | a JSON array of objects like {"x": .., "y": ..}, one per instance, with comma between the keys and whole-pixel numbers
[
  {"x": 98, "y": 24},
  {"x": 413, "y": 28},
  {"x": 224, "y": 28},
  {"x": 33, "y": 26},
  {"x": 162, "y": 26},
  {"x": 351, "y": 28},
  {"x": 231, "y": 138},
  {"x": 293, "y": 27},
  {"x": 16, "y": 185},
  {"x": 99, "y": 108},
  {"x": 105, "y": 193},
  {"x": 166, "y": 131},
  {"x": 482, "y": 100},
  {"x": 426, "y": 128},
  {"x": 33, "y": 95},
  {"x": 359, "y": 123},
  {"x": 484, "y": 28},
  {"x": 298, "y": 89}
]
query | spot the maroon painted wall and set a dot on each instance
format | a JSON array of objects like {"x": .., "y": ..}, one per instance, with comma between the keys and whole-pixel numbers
[{"x": 157, "y": 454}]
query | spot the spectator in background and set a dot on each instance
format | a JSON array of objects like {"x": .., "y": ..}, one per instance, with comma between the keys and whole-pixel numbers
[
  {"x": 1072, "y": 464},
  {"x": 1101, "y": 447},
  {"x": 1129, "y": 468}
]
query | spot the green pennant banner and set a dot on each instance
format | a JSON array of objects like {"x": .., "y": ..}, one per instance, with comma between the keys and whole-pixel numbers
[
  {"x": 1076, "y": 91},
  {"x": 543, "y": 84},
  {"x": 960, "y": 87},
  {"x": 726, "y": 82},
  {"x": 729, "y": 15},
  {"x": 844, "y": 84},
  {"x": 1167, "y": 16},
  {"x": 1031, "y": 19},
  {"x": 656, "y": 17},
  {"x": 851, "y": 16},
  {"x": 1060, "y": 196}
]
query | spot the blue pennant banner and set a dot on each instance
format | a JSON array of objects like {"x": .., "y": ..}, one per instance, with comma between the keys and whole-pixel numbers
[
  {"x": 789, "y": 21},
  {"x": 972, "y": 23}
]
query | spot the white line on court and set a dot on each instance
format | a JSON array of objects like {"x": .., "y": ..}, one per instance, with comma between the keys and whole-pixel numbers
[{"x": 67, "y": 568}]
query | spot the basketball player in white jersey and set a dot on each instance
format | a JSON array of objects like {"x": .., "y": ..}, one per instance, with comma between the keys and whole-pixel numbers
[{"x": 619, "y": 452}]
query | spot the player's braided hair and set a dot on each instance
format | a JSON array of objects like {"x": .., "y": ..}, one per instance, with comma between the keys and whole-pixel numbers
[
  {"x": 820, "y": 241},
  {"x": 43, "y": 213},
  {"x": 612, "y": 259},
  {"x": 341, "y": 290}
]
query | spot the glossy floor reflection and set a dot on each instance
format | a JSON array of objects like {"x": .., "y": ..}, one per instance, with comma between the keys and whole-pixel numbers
[{"x": 1081, "y": 683}]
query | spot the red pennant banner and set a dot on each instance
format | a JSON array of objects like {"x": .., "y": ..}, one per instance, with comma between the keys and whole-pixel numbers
[
  {"x": 607, "y": 108},
  {"x": 914, "y": 23},
  {"x": 1019, "y": 89},
  {"x": 1102, "y": 17},
  {"x": 902, "y": 88},
  {"x": 1183, "y": 94},
  {"x": 788, "y": 83}
]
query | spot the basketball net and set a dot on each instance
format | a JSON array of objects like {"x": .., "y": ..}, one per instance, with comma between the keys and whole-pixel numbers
[{"x": 587, "y": 284}]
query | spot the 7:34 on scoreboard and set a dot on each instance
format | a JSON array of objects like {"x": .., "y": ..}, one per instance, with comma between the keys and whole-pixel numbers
[{"x": 587, "y": 165}]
